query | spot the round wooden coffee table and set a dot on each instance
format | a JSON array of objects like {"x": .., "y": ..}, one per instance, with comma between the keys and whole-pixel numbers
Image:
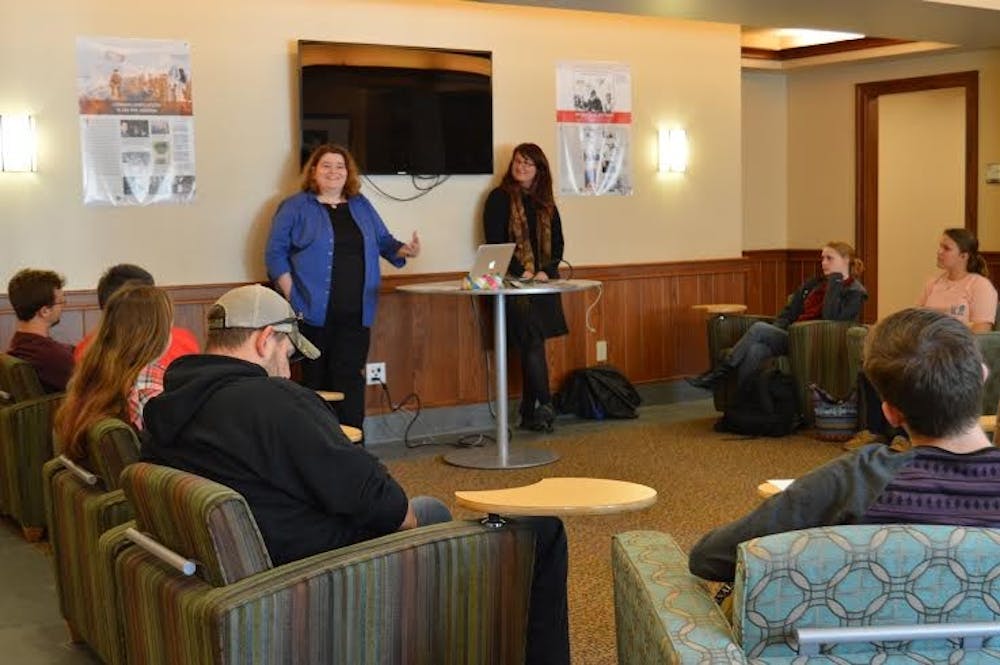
[{"x": 560, "y": 496}]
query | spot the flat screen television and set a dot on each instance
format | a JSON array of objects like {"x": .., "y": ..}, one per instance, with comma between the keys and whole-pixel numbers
[{"x": 400, "y": 110}]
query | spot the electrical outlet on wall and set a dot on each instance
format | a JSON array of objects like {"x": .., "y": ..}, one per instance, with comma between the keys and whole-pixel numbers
[
  {"x": 375, "y": 373},
  {"x": 602, "y": 350}
]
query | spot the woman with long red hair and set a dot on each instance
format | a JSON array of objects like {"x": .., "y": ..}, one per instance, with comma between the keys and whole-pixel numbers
[
  {"x": 522, "y": 210},
  {"x": 118, "y": 373}
]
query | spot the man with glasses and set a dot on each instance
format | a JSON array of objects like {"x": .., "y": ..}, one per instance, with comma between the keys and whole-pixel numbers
[
  {"x": 232, "y": 415},
  {"x": 38, "y": 299}
]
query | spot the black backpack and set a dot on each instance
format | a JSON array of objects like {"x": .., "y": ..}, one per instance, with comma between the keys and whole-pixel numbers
[
  {"x": 598, "y": 392},
  {"x": 767, "y": 406}
]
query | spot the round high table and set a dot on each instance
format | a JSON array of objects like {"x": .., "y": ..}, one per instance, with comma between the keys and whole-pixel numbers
[{"x": 504, "y": 457}]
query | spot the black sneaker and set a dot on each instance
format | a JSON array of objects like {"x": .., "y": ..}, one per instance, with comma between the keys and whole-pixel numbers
[{"x": 709, "y": 379}]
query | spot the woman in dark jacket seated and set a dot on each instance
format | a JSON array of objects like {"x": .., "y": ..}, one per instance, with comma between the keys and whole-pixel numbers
[{"x": 835, "y": 296}]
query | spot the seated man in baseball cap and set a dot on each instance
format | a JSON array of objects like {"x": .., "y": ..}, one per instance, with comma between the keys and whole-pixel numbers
[{"x": 232, "y": 415}]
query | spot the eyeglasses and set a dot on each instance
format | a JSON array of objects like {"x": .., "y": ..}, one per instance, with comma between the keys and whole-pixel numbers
[{"x": 524, "y": 161}]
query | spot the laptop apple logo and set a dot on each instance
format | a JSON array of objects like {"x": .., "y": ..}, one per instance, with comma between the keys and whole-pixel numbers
[{"x": 493, "y": 264}]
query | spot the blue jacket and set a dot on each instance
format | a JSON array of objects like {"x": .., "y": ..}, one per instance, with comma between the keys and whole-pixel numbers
[{"x": 301, "y": 243}]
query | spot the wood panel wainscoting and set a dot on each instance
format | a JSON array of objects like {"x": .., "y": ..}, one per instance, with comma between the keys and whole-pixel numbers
[
  {"x": 773, "y": 273},
  {"x": 434, "y": 345}
]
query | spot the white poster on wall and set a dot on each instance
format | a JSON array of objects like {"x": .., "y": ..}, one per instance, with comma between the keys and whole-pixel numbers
[
  {"x": 594, "y": 126},
  {"x": 136, "y": 120}
]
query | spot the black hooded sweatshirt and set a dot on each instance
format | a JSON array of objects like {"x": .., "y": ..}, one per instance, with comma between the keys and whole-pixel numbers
[{"x": 280, "y": 446}]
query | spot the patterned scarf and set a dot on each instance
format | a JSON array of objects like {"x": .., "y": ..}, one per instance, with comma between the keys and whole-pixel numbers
[{"x": 518, "y": 230}]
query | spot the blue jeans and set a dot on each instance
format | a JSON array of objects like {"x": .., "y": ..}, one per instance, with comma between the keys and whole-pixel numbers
[
  {"x": 761, "y": 342},
  {"x": 429, "y": 510}
]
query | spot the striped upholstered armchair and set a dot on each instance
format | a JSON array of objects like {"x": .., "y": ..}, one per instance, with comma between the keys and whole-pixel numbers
[
  {"x": 81, "y": 505},
  {"x": 818, "y": 353},
  {"x": 989, "y": 346},
  {"x": 799, "y": 597},
  {"x": 453, "y": 593},
  {"x": 25, "y": 444}
]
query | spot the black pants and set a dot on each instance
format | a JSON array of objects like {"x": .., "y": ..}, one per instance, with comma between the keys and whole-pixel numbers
[
  {"x": 535, "y": 377},
  {"x": 870, "y": 411},
  {"x": 548, "y": 614},
  {"x": 343, "y": 346}
]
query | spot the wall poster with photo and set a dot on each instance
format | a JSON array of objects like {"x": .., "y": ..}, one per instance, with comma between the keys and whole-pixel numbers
[
  {"x": 594, "y": 127},
  {"x": 136, "y": 120}
]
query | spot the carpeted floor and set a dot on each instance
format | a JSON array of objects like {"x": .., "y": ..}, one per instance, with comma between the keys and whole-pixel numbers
[{"x": 703, "y": 479}]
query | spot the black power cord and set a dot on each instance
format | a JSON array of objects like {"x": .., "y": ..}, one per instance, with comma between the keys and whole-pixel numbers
[
  {"x": 401, "y": 408},
  {"x": 417, "y": 182}
]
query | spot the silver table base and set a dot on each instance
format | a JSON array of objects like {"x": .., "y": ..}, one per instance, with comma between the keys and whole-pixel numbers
[{"x": 488, "y": 458}]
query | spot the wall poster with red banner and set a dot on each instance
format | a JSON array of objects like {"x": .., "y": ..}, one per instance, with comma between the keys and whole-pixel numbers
[
  {"x": 594, "y": 126},
  {"x": 136, "y": 120}
]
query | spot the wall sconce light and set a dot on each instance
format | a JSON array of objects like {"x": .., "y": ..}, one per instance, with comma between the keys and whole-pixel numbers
[
  {"x": 673, "y": 151},
  {"x": 17, "y": 143}
]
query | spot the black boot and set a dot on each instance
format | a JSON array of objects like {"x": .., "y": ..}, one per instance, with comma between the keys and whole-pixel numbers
[
  {"x": 545, "y": 415},
  {"x": 711, "y": 378}
]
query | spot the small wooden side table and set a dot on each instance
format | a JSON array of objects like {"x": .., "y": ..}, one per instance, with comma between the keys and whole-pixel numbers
[
  {"x": 769, "y": 488},
  {"x": 721, "y": 309},
  {"x": 560, "y": 496},
  {"x": 988, "y": 423},
  {"x": 353, "y": 434},
  {"x": 330, "y": 395}
]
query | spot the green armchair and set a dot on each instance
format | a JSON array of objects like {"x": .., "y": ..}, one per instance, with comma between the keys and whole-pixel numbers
[
  {"x": 817, "y": 353},
  {"x": 799, "y": 597},
  {"x": 25, "y": 444},
  {"x": 81, "y": 506},
  {"x": 989, "y": 346},
  {"x": 452, "y": 593}
]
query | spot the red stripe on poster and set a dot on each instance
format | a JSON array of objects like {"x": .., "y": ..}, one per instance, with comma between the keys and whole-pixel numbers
[{"x": 616, "y": 118}]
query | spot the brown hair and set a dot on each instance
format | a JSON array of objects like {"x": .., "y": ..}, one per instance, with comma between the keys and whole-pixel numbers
[
  {"x": 134, "y": 331},
  {"x": 928, "y": 366},
  {"x": 30, "y": 290},
  {"x": 353, "y": 184},
  {"x": 847, "y": 251},
  {"x": 541, "y": 188},
  {"x": 118, "y": 276},
  {"x": 968, "y": 244}
]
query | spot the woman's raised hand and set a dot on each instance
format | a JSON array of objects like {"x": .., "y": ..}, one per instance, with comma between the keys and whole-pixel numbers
[{"x": 410, "y": 250}]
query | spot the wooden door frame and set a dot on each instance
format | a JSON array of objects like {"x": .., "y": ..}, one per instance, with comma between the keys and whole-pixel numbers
[{"x": 866, "y": 162}]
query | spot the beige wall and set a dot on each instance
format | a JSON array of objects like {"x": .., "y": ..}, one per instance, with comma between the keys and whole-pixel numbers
[
  {"x": 765, "y": 160},
  {"x": 244, "y": 78},
  {"x": 921, "y": 188},
  {"x": 821, "y": 142}
]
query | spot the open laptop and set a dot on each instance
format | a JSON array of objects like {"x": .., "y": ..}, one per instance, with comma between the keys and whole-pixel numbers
[{"x": 492, "y": 260}]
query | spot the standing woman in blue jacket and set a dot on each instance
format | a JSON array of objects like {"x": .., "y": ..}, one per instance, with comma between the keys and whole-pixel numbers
[{"x": 323, "y": 254}]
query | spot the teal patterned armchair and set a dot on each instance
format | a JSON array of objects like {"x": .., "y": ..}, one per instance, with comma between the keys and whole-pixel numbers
[
  {"x": 447, "y": 594},
  {"x": 888, "y": 576},
  {"x": 818, "y": 353},
  {"x": 81, "y": 505},
  {"x": 25, "y": 444}
]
